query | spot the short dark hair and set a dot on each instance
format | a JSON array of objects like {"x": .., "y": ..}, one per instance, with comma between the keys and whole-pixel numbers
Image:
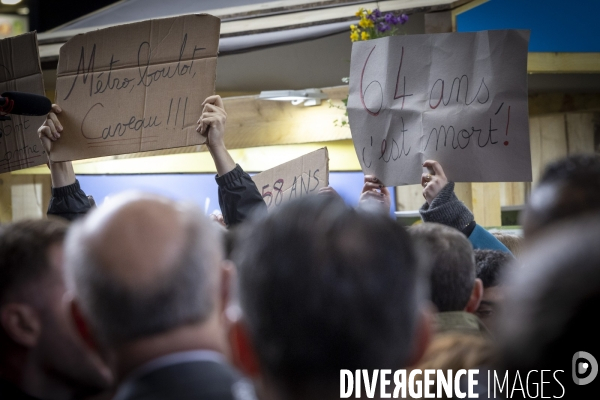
[
  {"x": 491, "y": 266},
  {"x": 452, "y": 271},
  {"x": 580, "y": 169},
  {"x": 24, "y": 251},
  {"x": 325, "y": 287},
  {"x": 577, "y": 181}
]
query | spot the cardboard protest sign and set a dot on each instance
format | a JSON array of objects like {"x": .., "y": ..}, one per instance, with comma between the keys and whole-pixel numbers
[
  {"x": 300, "y": 177},
  {"x": 135, "y": 87},
  {"x": 20, "y": 71},
  {"x": 458, "y": 98}
]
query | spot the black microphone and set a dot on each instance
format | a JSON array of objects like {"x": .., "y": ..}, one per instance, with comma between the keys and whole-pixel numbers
[{"x": 20, "y": 103}]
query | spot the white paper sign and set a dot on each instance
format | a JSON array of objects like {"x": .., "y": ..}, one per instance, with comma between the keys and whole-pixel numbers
[{"x": 458, "y": 98}]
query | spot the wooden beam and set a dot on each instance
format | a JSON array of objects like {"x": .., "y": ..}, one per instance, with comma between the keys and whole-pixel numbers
[
  {"x": 548, "y": 140},
  {"x": 580, "y": 133},
  {"x": 439, "y": 22},
  {"x": 464, "y": 8},
  {"x": 409, "y": 198},
  {"x": 514, "y": 193},
  {"x": 485, "y": 199},
  {"x": 254, "y": 123},
  {"x": 552, "y": 103},
  {"x": 563, "y": 63},
  {"x": 341, "y": 153},
  {"x": 5, "y": 198}
]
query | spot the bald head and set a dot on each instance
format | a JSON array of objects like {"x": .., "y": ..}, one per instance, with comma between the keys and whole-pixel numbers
[
  {"x": 142, "y": 265},
  {"x": 137, "y": 242}
]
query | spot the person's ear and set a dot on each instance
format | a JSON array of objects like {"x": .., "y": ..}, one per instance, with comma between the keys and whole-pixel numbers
[
  {"x": 423, "y": 334},
  {"x": 476, "y": 296},
  {"x": 22, "y": 323},
  {"x": 242, "y": 352}
]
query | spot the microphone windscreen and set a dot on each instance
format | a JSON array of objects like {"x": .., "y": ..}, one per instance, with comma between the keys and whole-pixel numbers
[{"x": 28, "y": 103}]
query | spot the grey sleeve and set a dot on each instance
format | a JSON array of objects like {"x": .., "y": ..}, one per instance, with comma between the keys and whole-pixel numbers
[{"x": 447, "y": 209}]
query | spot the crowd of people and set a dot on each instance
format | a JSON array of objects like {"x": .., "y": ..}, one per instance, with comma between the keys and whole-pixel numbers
[{"x": 147, "y": 298}]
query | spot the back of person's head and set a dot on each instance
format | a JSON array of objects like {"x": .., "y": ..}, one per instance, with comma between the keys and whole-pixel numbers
[
  {"x": 514, "y": 243},
  {"x": 143, "y": 265},
  {"x": 452, "y": 264},
  {"x": 491, "y": 266},
  {"x": 35, "y": 336},
  {"x": 24, "y": 253},
  {"x": 553, "y": 300},
  {"x": 325, "y": 287},
  {"x": 568, "y": 188}
]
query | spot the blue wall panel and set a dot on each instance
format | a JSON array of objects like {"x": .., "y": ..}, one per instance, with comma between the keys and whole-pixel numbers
[
  {"x": 556, "y": 25},
  {"x": 198, "y": 188}
]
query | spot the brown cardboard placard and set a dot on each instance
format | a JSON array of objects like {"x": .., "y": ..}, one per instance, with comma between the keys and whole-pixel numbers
[
  {"x": 20, "y": 71},
  {"x": 294, "y": 179},
  {"x": 459, "y": 98},
  {"x": 135, "y": 87}
]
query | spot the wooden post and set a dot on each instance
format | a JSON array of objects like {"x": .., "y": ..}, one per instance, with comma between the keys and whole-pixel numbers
[{"x": 5, "y": 198}]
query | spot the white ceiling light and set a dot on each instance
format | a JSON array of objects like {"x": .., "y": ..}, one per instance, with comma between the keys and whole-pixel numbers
[
  {"x": 10, "y": 2},
  {"x": 308, "y": 97}
]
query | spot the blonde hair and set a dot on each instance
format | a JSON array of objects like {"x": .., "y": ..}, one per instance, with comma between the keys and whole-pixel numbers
[{"x": 513, "y": 242}]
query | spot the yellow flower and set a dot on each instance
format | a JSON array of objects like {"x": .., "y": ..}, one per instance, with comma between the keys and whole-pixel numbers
[
  {"x": 365, "y": 23},
  {"x": 360, "y": 12},
  {"x": 364, "y": 36},
  {"x": 353, "y": 27},
  {"x": 354, "y": 36}
]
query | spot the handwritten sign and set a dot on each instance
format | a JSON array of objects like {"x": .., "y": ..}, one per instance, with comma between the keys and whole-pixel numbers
[
  {"x": 20, "y": 71},
  {"x": 300, "y": 177},
  {"x": 458, "y": 98},
  {"x": 135, "y": 87}
]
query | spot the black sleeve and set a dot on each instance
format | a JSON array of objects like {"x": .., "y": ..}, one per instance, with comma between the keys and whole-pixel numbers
[
  {"x": 68, "y": 202},
  {"x": 238, "y": 196}
]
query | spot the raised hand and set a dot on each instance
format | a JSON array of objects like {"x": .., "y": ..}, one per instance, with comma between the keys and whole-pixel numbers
[
  {"x": 212, "y": 121},
  {"x": 375, "y": 191},
  {"x": 51, "y": 129},
  {"x": 433, "y": 181}
]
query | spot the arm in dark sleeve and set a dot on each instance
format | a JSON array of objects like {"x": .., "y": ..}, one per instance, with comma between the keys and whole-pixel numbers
[
  {"x": 238, "y": 196},
  {"x": 447, "y": 209},
  {"x": 68, "y": 202}
]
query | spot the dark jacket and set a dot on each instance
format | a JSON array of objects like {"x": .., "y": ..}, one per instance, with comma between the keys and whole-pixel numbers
[
  {"x": 238, "y": 196},
  {"x": 68, "y": 202},
  {"x": 206, "y": 380},
  {"x": 12, "y": 392}
]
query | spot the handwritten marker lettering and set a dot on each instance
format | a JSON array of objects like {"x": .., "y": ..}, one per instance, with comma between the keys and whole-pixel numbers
[
  {"x": 507, "y": 123},
  {"x": 451, "y": 97},
  {"x": 362, "y": 93}
]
